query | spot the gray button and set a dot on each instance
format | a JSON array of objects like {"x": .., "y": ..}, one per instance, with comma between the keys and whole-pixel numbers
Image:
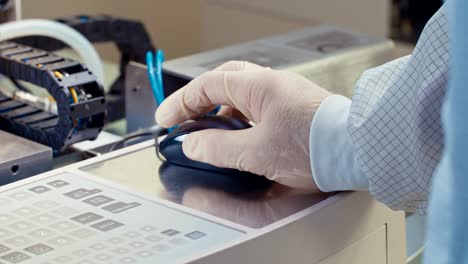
[
  {"x": 107, "y": 225},
  {"x": 154, "y": 238},
  {"x": 21, "y": 195},
  {"x": 116, "y": 240},
  {"x": 15, "y": 257},
  {"x": 63, "y": 259},
  {"x": 178, "y": 241},
  {"x": 86, "y": 218},
  {"x": 83, "y": 233},
  {"x": 81, "y": 252},
  {"x": 22, "y": 226},
  {"x": 120, "y": 250},
  {"x": 61, "y": 241},
  {"x": 41, "y": 233},
  {"x": 128, "y": 260},
  {"x": 63, "y": 226},
  {"x": 132, "y": 234},
  {"x": 195, "y": 235},
  {"x": 149, "y": 228},
  {"x": 25, "y": 211},
  {"x": 120, "y": 207},
  {"x": 3, "y": 249},
  {"x": 19, "y": 241},
  {"x": 170, "y": 232},
  {"x": 39, "y": 189},
  {"x": 65, "y": 211},
  {"x": 98, "y": 200},
  {"x": 39, "y": 249},
  {"x": 137, "y": 244},
  {"x": 103, "y": 257},
  {"x": 58, "y": 183},
  {"x": 98, "y": 246},
  {"x": 46, "y": 204},
  {"x": 161, "y": 248},
  {"x": 44, "y": 219},
  {"x": 145, "y": 254},
  {"x": 81, "y": 193}
]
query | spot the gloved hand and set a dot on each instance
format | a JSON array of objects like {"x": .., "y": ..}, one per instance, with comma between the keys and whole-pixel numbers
[{"x": 280, "y": 104}]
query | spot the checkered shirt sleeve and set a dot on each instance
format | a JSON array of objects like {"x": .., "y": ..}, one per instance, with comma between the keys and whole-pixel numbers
[{"x": 395, "y": 120}]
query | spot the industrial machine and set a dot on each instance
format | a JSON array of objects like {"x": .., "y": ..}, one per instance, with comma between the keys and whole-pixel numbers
[{"x": 66, "y": 198}]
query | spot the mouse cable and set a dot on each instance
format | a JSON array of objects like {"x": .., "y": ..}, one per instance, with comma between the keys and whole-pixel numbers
[{"x": 155, "y": 130}]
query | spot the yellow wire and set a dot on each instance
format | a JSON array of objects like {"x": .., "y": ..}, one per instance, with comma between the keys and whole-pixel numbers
[{"x": 72, "y": 90}]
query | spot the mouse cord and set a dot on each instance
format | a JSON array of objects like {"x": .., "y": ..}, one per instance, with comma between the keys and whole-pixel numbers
[
  {"x": 156, "y": 131},
  {"x": 156, "y": 145}
]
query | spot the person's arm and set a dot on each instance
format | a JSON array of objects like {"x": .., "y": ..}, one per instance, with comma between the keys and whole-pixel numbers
[{"x": 390, "y": 136}]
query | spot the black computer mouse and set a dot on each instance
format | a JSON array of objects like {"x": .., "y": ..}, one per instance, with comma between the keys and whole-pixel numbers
[
  {"x": 171, "y": 147},
  {"x": 178, "y": 179}
]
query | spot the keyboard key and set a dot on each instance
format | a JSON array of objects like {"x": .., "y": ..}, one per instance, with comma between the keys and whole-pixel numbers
[
  {"x": 195, "y": 235},
  {"x": 25, "y": 211},
  {"x": 38, "y": 249},
  {"x": 46, "y": 204},
  {"x": 22, "y": 226},
  {"x": 19, "y": 241},
  {"x": 63, "y": 226},
  {"x": 65, "y": 211},
  {"x": 154, "y": 238},
  {"x": 149, "y": 228},
  {"x": 21, "y": 196},
  {"x": 107, "y": 225},
  {"x": 132, "y": 234},
  {"x": 44, "y": 219},
  {"x": 83, "y": 233},
  {"x": 137, "y": 244},
  {"x": 41, "y": 233},
  {"x": 81, "y": 252},
  {"x": 98, "y": 246},
  {"x": 120, "y": 207},
  {"x": 178, "y": 241},
  {"x": 63, "y": 259},
  {"x": 145, "y": 254},
  {"x": 15, "y": 257},
  {"x": 86, "y": 218},
  {"x": 39, "y": 189},
  {"x": 170, "y": 232},
  {"x": 128, "y": 260},
  {"x": 120, "y": 250},
  {"x": 58, "y": 183},
  {"x": 81, "y": 193},
  {"x": 161, "y": 248},
  {"x": 116, "y": 240},
  {"x": 98, "y": 200},
  {"x": 103, "y": 257},
  {"x": 61, "y": 241}
]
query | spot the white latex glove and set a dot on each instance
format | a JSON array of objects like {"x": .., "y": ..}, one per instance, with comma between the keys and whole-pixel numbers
[{"x": 282, "y": 106}]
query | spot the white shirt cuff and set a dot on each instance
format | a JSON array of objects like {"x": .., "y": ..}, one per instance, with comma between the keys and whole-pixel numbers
[{"x": 334, "y": 166}]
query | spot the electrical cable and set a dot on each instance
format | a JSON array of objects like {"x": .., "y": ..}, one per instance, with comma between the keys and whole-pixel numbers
[
  {"x": 156, "y": 131},
  {"x": 72, "y": 90},
  {"x": 56, "y": 30}
]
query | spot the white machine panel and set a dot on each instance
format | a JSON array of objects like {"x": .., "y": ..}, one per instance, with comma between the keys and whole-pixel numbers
[{"x": 69, "y": 218}]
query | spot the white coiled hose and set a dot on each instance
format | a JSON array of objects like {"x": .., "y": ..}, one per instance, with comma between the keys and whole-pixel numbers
[{"x": 56, "y": 30}]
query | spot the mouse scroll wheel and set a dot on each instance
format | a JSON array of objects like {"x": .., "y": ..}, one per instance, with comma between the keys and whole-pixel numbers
[{"x": 180, "y": 138}]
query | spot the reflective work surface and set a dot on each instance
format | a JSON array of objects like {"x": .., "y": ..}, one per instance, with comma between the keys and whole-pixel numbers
[{"x": 253, "y": 202}]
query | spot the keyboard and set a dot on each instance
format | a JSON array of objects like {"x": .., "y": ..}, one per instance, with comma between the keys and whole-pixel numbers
[{"x": 68, "y": 218}]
